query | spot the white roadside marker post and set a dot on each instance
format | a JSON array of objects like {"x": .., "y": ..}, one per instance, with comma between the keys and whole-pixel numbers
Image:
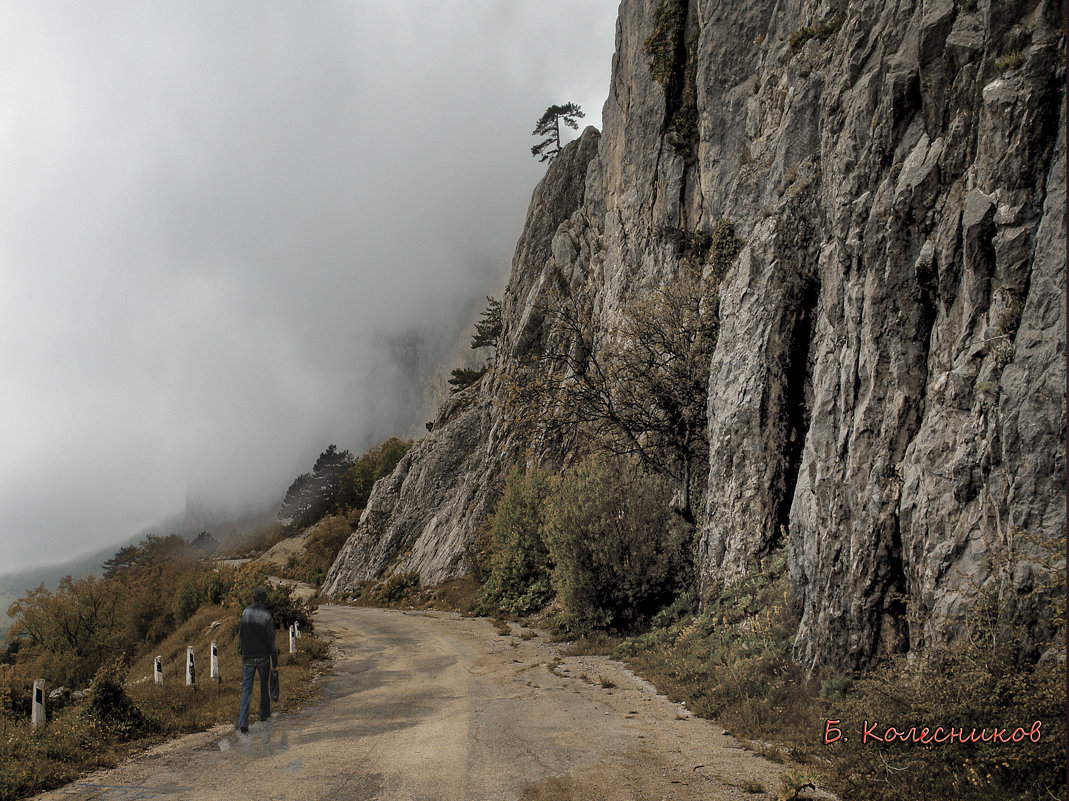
[
  {"x": 215, "y": 663},
  {"x": 37, "y": 713},
  {"x": 191, "y": 668},
  {"x": 157, "y": 669},
  {"x": 293, "y": 639},
  {"x": 297, "y": 628}
]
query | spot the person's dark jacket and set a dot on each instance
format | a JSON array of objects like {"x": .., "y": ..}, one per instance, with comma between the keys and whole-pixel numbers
[{"x": 257, "y": 634}]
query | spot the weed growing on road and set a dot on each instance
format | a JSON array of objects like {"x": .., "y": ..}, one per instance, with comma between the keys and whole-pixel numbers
[
  {"x": 796, "y": 782},
  {"x": 766, "y": 750}
]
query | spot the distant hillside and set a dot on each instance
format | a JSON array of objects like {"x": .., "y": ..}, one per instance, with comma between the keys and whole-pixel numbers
[
  {"x": 14, "y": 585},
  {"x": 228, "y": 529}
]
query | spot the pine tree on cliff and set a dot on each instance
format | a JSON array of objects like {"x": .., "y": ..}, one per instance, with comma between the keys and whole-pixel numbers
[
  {"x": 488, "y": 329},
  {"x": 549, "y": 126},
  {"x": 312, "y": 495}
]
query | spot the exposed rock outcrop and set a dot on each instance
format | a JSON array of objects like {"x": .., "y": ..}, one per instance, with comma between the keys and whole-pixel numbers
[
  {"x": 904, "y": 174},
  {"x": 422, "y": 517},
  {"x": 887, "y": 388}
]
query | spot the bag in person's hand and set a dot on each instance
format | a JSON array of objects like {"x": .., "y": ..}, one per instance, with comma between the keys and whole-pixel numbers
[{"x": 273, "y": 685}]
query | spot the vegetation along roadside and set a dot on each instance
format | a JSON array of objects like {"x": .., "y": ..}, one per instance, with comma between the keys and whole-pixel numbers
[
  {"x": 95, "y": 641},
  {"x": 624, "y": 589},
  {"x": 597, "y": 553}
]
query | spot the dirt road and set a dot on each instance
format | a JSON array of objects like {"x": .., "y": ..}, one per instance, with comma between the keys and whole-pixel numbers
[{"x": 435, "y": 707}]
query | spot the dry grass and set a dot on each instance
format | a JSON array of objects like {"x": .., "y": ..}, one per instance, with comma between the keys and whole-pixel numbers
[
  {"x": 402, "y": 592},
  {"x": 751, "y": 786},
  {"x": 74, "y": 741},
  {"x": 594, "y": 643},
  {"x": 71, "y": 744},
  {"x": 181, "y": 709},
  {"x": 733, "y": 664},
  {"x": 1010, "y": 61}
]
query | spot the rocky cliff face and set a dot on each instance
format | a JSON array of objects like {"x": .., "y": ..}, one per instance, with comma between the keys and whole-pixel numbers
[
  {"x": 898, "y": 313},
  {"x": 887, "y": 390},
  {"x": 421, "y": 519}
]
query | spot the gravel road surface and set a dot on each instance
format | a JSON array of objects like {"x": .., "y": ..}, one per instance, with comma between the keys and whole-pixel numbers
[{"x": 431, "y": 706}]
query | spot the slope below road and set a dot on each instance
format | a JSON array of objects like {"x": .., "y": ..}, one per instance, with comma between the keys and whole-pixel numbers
[{"x": 439, "y": 707}]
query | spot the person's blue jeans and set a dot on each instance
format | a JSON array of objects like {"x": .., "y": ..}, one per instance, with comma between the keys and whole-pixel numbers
[{"x": 249, "y": 668}]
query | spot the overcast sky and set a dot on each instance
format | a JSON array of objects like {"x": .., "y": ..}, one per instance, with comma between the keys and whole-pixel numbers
[{"x": 229, "y": 231}]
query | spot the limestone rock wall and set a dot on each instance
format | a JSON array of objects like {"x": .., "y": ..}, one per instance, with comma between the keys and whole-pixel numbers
[
  {"x": 887, "y": 389},
  {"x": 898, "y": 311}
]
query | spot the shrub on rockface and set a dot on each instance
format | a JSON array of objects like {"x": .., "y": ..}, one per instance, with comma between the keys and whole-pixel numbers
[
  {"x": 619, "y": 554},
  {"x": 519, "y": 574},
  {"x": 664, "y": 43}
]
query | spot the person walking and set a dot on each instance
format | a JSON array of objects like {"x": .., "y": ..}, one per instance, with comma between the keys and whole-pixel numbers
[{"x": 259, "y": 653}]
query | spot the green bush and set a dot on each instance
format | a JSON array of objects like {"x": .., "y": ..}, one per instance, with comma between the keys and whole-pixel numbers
[
  {"x": 397, "y": 587},
  {"x": 519, "y": 574},
  {"x": 376, "y": 463},
  {"x": 619, "y": 554},
  {"x": 463, "y": 377},
  {"x": 202, "y": 587},
  {"x": 109, "y": 704}
]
